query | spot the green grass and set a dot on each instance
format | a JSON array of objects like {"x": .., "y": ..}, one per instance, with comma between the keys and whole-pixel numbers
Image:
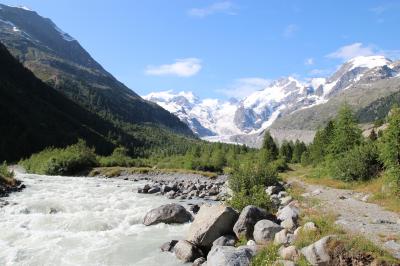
[
  {"x": 118, "y": 171},
  {"x": 6, "y": 176},
  {"x": 266, "y": 257}
]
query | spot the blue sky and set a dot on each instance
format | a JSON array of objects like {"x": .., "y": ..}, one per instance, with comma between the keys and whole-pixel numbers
[{"x": 223, "y": 48}]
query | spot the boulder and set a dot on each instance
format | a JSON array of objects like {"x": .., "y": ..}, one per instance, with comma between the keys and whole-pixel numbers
[
  {"x": 264, "y": 231},
  {"x": 288, "y": 224},
  {"x": 230, "y": 256},
  {"x": 310, "y": 227},
  {"x": 199, "y": 261},
  {"x": 287, "y": 212},
  {"x": 249, "y": 216},
  {"x": 251, "y": 243},
  {"x": 168, "y": 246},
  {"x": 210, "y": 223},
  {"x": 318, "y": 253},
  {"x": 227, "y": 240},
  {"x": 286, "y": 200},
  {"x": 154, "y": 189},
  {"x": 170, "y": 213},
  {"x": 186, "y": 251},
  {"x": 281, "y": 237},
  {"x": 272, "y": 190},
  {"x": 289, "y": 253}
]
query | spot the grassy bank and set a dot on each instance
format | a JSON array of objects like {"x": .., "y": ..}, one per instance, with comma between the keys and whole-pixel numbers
[
  {"x": 118, "y": 171},
  {"x": 6, "y": 176},
  {"x": 374, "y": 187}
]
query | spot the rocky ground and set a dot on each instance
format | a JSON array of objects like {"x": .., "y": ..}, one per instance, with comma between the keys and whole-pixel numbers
[
  {"x": 182, "y": 186},
  {"x": 356, "y": 215}
]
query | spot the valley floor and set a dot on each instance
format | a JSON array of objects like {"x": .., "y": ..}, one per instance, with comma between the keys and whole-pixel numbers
[{"x": 353, "y": 213}]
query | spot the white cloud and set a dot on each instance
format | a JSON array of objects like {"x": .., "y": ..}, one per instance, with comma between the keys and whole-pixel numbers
[
  {"x": 290, "y": 30},
  {"x": 352, "y": 50},
  {"x": 358, "y": 49},
  {"x": 244, "y": 87},
  {"x": 186, "y": 67},
  {"x": 226, "y": 7},
  {"x": 309, "y": 61}
]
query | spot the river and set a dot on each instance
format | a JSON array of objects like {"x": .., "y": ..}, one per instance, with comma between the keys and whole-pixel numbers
[{"x": 82, "y": 221}]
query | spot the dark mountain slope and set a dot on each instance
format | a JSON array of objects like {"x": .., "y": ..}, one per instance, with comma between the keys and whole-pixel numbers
[
  {"x": 34, "y": 116},
  {"x": 379, "y": 108},
  {"x": 60, "y": 61}
]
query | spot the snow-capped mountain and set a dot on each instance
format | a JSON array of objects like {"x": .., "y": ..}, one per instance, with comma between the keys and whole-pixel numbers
[{"x": 218, "y": 120}]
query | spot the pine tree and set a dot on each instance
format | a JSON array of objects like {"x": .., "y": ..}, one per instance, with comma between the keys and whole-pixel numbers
[
  {"x": 389, "y": 147},
  {"x": 298, "y": 150},
  {"x": 347, "y": 134},
  {"x": 269, "y": 150},
  {"x": 286, "y": 150}
]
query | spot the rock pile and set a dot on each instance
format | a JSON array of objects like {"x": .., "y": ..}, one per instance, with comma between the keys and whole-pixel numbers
[
  {"x": 187, "y": 189},
  {"x": 216, "y": 229}
]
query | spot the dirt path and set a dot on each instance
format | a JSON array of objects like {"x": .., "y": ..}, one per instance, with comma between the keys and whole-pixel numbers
[{"x": 357, "y": 216}]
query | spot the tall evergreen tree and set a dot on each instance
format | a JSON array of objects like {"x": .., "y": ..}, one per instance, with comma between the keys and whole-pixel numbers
[
  {"x": 298, "y": 150},
  {"x": 347, "y": 134},
  {"x": 390, "y": 147},
  {"x": 269, "y": 150},
  {"x": 286, "y": 150}
]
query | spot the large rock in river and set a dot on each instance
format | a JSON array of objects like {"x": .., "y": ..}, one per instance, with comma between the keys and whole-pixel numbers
[
  {"x": 249, "y": 216},
  {"x": 210, "y": 223},
  {"x": 170, "y": 213}
]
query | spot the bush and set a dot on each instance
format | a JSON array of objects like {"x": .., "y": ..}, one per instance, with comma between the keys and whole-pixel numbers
[
  {"x": 248, "y": 183},
  {"x": 279, "y": 165},
  {"x": 255, "y": 196},
  {"x": 247, "y": 176},
  {"x": 55, "y": 161},
  {"x": 4, "y": 172},
  {"x": 119, "y": 157},
  {"x": 359, "y": 164}
]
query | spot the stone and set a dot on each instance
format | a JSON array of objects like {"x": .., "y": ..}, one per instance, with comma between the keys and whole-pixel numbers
[
  {"x": 289, "y": 253},
  {"x": 310, "y": 226},
  {"x": 166, "y": 189},
  {"x": 281, "y": 237},
  {"x": 284, "y": 263},
  {"x": 287, "y": 212},
  {"x": 289, "y": 224},
  {"x": 249, "y": 216},
  {"x": 272, "y": 190},
  {"x": 169, "y": 213},
  {"x": 264, "y": 231},
  {"x": 282, "y": 194},
  {"x": 210, "y": 223},
  {"x": 186, "y": 251},
  {"x": 316, "y": 192},
  {"x": 199, "y": 261},
  {"x": 230, "y": 256},
  {"x": 168, "y": 246},
  {"x": 227, "y": 240},
  {"x": 286, "y": 200},
  {"x": 251, "y": 243},
  {"x": 194, "y": 208},
  {"x": 317, "y": 253},
  {"x": 154, "y": 189},
  {"x": 170, "y": 194}
]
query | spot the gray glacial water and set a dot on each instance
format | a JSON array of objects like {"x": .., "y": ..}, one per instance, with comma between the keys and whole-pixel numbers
[{"x": 82, "y": 221}]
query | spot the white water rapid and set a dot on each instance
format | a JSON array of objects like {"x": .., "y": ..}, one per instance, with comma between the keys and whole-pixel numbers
[{"x": 82, "y": 221}]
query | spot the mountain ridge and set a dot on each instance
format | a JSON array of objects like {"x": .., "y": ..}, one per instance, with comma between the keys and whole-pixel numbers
[
  {"x": 270, "y": 108},
  {"x": 59, "y": 60}
]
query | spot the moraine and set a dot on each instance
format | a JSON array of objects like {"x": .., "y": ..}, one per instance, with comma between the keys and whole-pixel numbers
[{"x": 83, "y": 221}]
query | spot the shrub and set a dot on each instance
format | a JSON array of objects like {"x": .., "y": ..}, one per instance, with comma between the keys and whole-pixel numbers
[
  {"x": 359, "y": 164},
  {"x": 255, "y": 196},
  {"x": 4, "y": 172},
  {"x": 119, "y": 157},
  {"x": 279, "y": 165},
  {"x": 55, "y": 161}
]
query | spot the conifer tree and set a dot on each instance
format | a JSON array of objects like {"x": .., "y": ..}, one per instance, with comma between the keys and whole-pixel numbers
[{"x": 347, "y": 134}]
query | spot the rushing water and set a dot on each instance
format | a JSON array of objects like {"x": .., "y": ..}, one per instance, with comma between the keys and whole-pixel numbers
[{"x": 82, "y": 221}]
